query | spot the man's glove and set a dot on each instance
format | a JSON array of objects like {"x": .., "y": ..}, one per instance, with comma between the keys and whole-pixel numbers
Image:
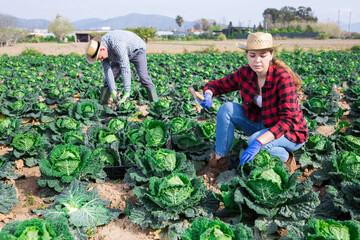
[
  {"x": 122, "y": 100},
  {"x": 250, "y": 152},
  {"x": 207, "y": 103}
]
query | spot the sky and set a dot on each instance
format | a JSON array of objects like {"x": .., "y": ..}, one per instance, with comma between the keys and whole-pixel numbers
[{"x": 240, "y": 12}]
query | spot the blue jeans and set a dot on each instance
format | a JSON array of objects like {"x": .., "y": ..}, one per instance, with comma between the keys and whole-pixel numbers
[{"x": 232, "y": 114}]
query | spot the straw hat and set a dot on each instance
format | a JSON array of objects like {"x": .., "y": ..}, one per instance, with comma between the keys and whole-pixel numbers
[
  {"x": 92, "y": 50},
  {"x": 258, "y": 41}
]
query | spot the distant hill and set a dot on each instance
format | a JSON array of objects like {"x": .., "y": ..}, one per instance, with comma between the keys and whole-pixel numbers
[
  {"x": 133, "y": 20},
  {"x": 354, "y": 27},
  {"x": 33, "y": 23}
]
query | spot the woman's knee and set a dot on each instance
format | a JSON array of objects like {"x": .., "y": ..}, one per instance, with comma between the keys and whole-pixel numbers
[{"x": 226, "y": 108}]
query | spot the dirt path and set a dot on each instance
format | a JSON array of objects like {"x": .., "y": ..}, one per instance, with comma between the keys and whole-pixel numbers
[{"x": 183, "y": 46}]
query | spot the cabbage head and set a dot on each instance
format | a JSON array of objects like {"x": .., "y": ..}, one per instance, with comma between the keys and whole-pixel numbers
[
  {"x": 104, "y": 156},
  {"x": 9, "y": 127},
  {"x": 88, "y": 111},
  {"x": 65, "y": 124},
  {"x": 171, "y": 191},
  {"x": 157, "y": 133},
  {"x": 272, "y": 193},
  {"x": 36, "y": 228},
  {"x": 208, "y": 229},
  {"x": 189, "y": 109},
  {"x": 332, "y": 229},
  {"x": 108, "y": 136},
  {"x": 18, "y": 105},
  {"x": 341, "y": 166},
  {"x": 16, "y": 109},
  {"x": 158, "y": 163},
  {"x": 117, "y": 124},
  {"x": 18, "y": 94},
  {"x": 170, "y": 199},
  {"x": 208, "y": 129},
  {"x": 349, "y": 143},
  {"x": 41, "y": 106},
  {"x": 350, "y": 165},
  {"x": 5, "y": 124},
  {"x": 317, "y": 105},
  {"x": 180, "y": 125},
  {"x": 25, "y": 141},
  {"x": 74, "y": 137},
  {"x": 79, "y": 207},
  {"x": 317, "y": 149},
  {"x": 262, "y": 160},
  {"x": 163, "y": 159},
  {"x": 65, "y": 162},
  {"x": 266, "y": 186}
]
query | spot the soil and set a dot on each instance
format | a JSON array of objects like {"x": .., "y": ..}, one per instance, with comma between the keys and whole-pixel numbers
[
  {"x": 116, "y": 191},
  {"x": 173, "y": 47}
]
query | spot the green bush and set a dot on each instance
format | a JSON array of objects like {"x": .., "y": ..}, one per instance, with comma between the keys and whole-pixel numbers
[
  {"x": 221, "y": 37},
  {"x": 355, "y": 48},
  {"x": 30, "y": 52},
  {"x": 323, "y": 36}
]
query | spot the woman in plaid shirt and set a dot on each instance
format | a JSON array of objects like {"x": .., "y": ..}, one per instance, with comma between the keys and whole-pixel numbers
[{"x": 270, "y": 112}]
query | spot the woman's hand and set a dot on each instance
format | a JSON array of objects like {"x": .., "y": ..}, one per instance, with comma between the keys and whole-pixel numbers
[
  {"x": 207, "y": 102},
  {"x": 250, "y": 152}
]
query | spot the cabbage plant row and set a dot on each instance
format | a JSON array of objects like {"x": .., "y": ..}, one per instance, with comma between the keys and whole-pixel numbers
[{"x": 50, "y": 117}]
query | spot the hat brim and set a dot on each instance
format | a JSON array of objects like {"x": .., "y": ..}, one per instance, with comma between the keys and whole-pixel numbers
[
  {"x": 92, "y": 60},
  {"x": 243, "y": 46}
]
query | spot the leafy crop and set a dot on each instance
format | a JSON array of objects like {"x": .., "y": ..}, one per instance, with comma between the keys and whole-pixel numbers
[
  {"x": 323, "y": 111},
  {"x": 342, "y": 166},
  {"x": 87, "y": 111},
  {"x": 30, "y": 146},
  {"x": 169, "y": 199},
  {"x": 9, "y": 127},
  {"x": 65, "y": 163},
  {"x": 349, "y": 143},
  {"x": 6, "y": 170},
  {"x": 156, "y": 133},
  {"x": 158, "y": 163},
  {"x": 7, "y": 198},
  {"x": 316, "y": 149},
  {"x": 331, "y": 229},
  {"x": 19, "y": 108},
  {"x": 42, "y": 112},
  {"x": 269, "y": 193},
  {"x": 206, "y": 229},
  {"x": 36, "y": 229},
  {"x": 79, "y": 207},
  {"x": 117, "y": 124}
]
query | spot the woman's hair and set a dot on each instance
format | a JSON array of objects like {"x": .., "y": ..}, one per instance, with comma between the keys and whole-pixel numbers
[{"x": 296, "y": 77}]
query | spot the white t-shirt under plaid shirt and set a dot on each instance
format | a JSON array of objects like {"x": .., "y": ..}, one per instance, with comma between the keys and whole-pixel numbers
[{"x": 122, "y": 46}]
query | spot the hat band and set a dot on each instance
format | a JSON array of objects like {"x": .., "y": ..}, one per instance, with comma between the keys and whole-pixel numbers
[{"x": 97, "y": 50}]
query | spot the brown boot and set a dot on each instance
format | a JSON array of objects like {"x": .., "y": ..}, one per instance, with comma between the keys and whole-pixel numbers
[
  {"x": 291, "y": 163},
  {"x": 215, "y": 166}
]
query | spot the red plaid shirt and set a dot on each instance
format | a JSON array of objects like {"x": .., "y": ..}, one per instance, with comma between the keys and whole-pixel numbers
[{"x": 280, "y": 111}]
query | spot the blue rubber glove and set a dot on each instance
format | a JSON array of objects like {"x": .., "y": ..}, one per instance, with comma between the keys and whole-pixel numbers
[
  {"x": 250, "y": 152},
  {"x": 207, "y": 103}
]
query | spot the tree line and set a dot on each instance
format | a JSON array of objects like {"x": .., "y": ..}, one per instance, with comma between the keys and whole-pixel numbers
[{"x": 287, "y": 15}]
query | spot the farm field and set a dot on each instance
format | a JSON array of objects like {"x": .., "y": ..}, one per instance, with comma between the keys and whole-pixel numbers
[
  {"x": 56, "y": 95},
  {"x": 185, "y": 46}
]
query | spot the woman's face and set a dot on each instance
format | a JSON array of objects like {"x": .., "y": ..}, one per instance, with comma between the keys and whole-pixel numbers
[{"x": 259, "y": 60}]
